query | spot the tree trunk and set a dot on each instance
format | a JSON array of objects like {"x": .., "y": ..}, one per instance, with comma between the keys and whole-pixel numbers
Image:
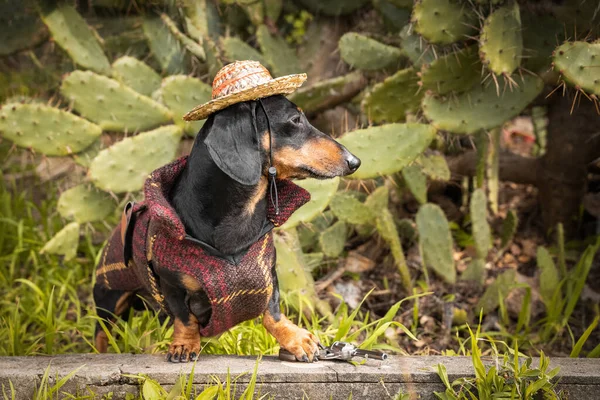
[{"x": 573, "y": 142}]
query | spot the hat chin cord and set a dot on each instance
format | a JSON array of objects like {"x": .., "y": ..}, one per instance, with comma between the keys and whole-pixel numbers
[{"x": 272, "y": 170}]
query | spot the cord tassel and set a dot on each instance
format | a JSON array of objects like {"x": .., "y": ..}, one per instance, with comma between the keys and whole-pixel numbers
[{"x": 273, "y": 188}]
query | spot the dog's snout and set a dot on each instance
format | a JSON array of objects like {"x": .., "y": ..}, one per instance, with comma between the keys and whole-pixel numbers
[{"x": 353, "y": 162}]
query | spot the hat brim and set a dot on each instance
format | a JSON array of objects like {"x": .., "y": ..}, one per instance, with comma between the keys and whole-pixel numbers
[{"x": 282, "y": 85}]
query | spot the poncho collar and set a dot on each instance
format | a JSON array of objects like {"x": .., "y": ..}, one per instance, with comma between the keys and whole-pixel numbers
[{"x": 160, "y": 182}]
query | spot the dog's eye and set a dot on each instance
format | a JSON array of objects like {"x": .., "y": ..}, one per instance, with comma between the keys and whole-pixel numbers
[{"x": 297, "y": 120}]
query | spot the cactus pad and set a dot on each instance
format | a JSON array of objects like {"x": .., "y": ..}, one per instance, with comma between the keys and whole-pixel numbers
[
  {"x": 85, "y": 203},
  {"x": 350, "y": 210},
  {"x": 46, "y": 129},
  {"x": 418, "y": 51},
  {"x": 457, "y": 71},
  {"x": 480, "y": 108},
  {"x": 391, "y": 99},
  {"x": 443, "y": 21},
  {"x": 235, "y": 49},
  {"x": 480, "y": 227},
  {"x": 181, "y": 93},
  {"x": 65, "y": 242},
  {"x": 333, "y": 239},
  {"x": 541, "y": 33},
  {"x": 378, "y": 199},
  {"x": 435, "y": 241},
  {"x": 321, "y": 193},
  {"x": 416, "y": 181},
  {"x": 509, "y": 228},
  {"x": 21, "y": 26},
  {"x": 281, "y": 57},
  {"x": 388, "y": 231},
  {"x": 191, "y": 46},
  {"x": 124, "y": 166},
  {"x": 164, "y": 46},
  {"x": 579, "y": 64},
  {"x": 501, "y": 40},
  {"x": 388, "y": 148},
  {"x": 475, "y": 271},
  {"x": 333, "y": 7},
  {"x": 111, "y": 104},
  {"x": 136, "y": 74},
  {"x": 435, "y": 167},
  {"x": 362, "y": 52},
  {"x": 320, "y": 95},
  {"x": 73, "y": 35},
  {"x": 202, "y": 19}
]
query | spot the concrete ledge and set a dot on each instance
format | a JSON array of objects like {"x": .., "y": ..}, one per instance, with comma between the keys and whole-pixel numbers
[{"x": 107, "y": 373}]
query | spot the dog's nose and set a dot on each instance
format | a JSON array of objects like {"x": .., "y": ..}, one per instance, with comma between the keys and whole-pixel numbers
[{"x": 353, "y": 162}]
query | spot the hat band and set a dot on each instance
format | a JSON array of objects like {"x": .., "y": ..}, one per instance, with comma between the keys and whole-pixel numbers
[{"x": 221, "y": 90}]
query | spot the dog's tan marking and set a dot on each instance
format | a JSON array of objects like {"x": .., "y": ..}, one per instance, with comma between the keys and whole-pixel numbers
[
  {"x": 294, "y": 339},
  {"x": 259, "y": 193},
  {"x": 320, "y": 155},
  {"x": 186, "y": 340},
  {"x": 101, "y": 342},
  {"x": 123, "y": 303},
  {"x": 190, "y": 283}
]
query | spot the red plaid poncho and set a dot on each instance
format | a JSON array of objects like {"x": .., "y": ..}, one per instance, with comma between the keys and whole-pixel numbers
[{"x": 237, "y": 291}]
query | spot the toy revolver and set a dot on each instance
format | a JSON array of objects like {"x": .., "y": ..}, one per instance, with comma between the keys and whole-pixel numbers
[{"x": 339, "y": 351}]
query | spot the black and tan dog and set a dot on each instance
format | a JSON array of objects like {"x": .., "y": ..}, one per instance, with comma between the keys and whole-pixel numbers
[{"x": 222, "y": 198}]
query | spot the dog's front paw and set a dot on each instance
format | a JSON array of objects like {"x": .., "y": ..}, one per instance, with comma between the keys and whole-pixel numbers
[
  {"x": 301, "y": 343},
  {"x": 183, "y": 352}
]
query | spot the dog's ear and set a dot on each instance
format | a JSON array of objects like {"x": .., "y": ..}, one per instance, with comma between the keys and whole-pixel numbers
[{"x": 233, "y": 143}]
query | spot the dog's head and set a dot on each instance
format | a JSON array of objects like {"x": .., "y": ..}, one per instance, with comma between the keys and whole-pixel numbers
[{"x": 242, "y": 137}]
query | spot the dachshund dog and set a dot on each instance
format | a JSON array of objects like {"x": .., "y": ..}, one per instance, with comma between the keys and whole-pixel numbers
[{"x": 222, "y": 197}]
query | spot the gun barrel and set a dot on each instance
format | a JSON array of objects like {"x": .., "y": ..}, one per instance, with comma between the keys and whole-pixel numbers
[{"x": 376, "y": 355}]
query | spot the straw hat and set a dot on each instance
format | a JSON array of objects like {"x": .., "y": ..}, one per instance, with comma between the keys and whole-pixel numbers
[{"x": 243, "y": 81}]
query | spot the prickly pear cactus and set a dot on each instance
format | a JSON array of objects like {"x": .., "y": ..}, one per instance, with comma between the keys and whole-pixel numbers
[
  {"x": 136, "y": 74},
  {"x": 202, "y": 19},
  {"x": 362, "y": 52},
  {"x": 378, "y": 199},
  {"x": 481, "y": 107},
  {"x": 333, "y": 239},
  {"x": 435, "y": 241},
  {"x": 85, "y": 157},
  {"x": 193, "y": 47},
  {"x": 235, "y": 49},
  {"x": 70, "y": 31},
  {"x": 435, "y": 167},
  {"x": 443, "y": 21},
  {"x": 393, "y": 98},
  {"x": 387, "y": 149},
  {"x": 418, "y": 51},
  {"x": 481, "y": 228},
  {"x": 65, "y": 242},
  {"x": 475, "y": 271},
  {"x": 541, "y": 33},
  {"x": 165, "y": 47},
  {"x": 501, "y": 40},
  {"x": 124, "y": 166},
  {"x": 333, "y": 7},
  {"x": 213, "y": 57},
  {"x": 21, "y": 26},
  {"x": 457, "y": 71},
  {"x": 85, "y": 203},
  {"x": 45, "y": 129},
  {"x": 349, "y": 209},
  {"x": 579, "y": 64},
  {"x": 181, "y": 93},
  {"x": 112, "y": 105},
  {"x": 321, "y": 94},
  {"x": 509, "y": 228},
  {"x": 416, "y": 181},
  {"x": 321, "y": 193},
  {"x": 499, "y": 289},
  {"x": 386, "y": 228},
  {"x": 281, "y": 57}
]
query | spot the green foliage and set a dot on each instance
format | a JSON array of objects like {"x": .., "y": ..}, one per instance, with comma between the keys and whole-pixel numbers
[
  {"x": 496, "y": 292},
  {"x": 416, "y": 181},
  {"x": 333, "y": 239},
  {"x": 136, "y": 74},
  {"x": 347, "y": 208},
  {"x": 509, "y": 228},
  {"x": 435, "y": 241},
  {"x": 165, "y": 47},
  {"x": 21, "y": 26},
  {"x": 64, "y": 242},
  {"x": 540, "y": 33},
  {"x": 394, "y": 16},
  {"x": 321, "y": 193},
  {"x": 190, "y": 45},
  {"x": 318, "y": 96},
  {"x": 443, "y": 21},
  {"x": 386, "y": 228},
  {"x": 365, "y": 53},
  {"x": 46, "y": 129},
  {"x": 578, "y": 64},
  {"x": 475, "y": 271},
  {"x": 281, "y": 58},
  {"x": 235, "y": 49},
  {"x": 393, "y": 98},
  {"x": 182, "y": 93},
  {"x": 501, "y": 40},
  {"x": 333, "y": 7},
  {"x": 72, "y": 33},
  {"x": 481, "y": 229},
  {"x": 549, "y": 276},
  {"x": 85, "y": 203},
  {"x": 124, "y": 166},
  {"x": 111, "y": 104},
  {"x": 213, "y": 57},
  {"x": 435, "y": 167},
  {"x": 202, "y": 19},
  {"x": 416, "y": 48},
  {"x": 457, "y": 71},
  {"x": 388, "y": 148},
  {"x": 480, "y": 107}
]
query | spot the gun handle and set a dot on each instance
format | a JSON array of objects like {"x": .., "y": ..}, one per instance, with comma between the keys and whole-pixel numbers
[{"x": 371, "y": 354}]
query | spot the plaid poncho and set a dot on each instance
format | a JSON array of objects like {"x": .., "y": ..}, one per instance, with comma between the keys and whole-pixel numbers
[{"x": 238, "y": 289}]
